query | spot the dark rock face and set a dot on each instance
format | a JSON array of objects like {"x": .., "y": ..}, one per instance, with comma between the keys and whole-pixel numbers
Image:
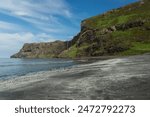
[
  {"x": 41, "y": 50},
  {"x": 129, "y": 25},
  {"x": 86, "y": 36}
]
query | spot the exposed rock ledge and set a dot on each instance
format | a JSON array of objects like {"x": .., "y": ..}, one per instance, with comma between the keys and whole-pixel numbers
[{"x": 41, "y": 50}]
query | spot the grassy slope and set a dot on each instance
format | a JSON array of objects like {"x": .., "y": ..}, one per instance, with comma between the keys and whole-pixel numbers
[
  {"x": 136, "y": 40},
  {"x": 73, "y": 51},
  {"x": 140, "y": 39},
  {"x": 119, "y": 16}
]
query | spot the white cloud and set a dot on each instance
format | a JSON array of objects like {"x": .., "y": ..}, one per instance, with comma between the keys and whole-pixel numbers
[
  {"x": 9, "y": 27},
  {"x": 40, "y": 13},
  {"x": 34, "y": 8},
  {"x": 12, "y": 42}
]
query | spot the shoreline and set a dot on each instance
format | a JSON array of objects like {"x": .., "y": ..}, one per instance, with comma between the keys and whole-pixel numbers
[{"x": 117, "y": 78}]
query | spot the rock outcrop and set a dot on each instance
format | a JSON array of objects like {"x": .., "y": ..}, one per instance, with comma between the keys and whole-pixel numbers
[{"x": 41, "y": 50}]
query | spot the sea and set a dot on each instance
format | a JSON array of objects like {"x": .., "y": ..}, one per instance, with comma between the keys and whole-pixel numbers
[{"x": 10, "y": 68}]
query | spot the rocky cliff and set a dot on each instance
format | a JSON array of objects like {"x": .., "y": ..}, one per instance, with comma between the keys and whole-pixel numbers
[
  {"x": 122, "y": 31},
  {"x": 41, "y": 50}
]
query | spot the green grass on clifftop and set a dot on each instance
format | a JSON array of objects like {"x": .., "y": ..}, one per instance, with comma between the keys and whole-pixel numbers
[{"x": 128, "y": 13}]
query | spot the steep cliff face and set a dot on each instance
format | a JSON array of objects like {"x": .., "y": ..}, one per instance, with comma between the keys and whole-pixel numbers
[
  {"x": 41, "y": 50},
  {"x": 122, "y": 31}
]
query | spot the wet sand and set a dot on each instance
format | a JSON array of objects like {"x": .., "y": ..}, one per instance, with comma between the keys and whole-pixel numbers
[{"x": 113, "y": 79}]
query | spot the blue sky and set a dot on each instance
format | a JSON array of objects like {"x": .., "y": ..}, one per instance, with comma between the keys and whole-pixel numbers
[{"x": 27, "y": 21}]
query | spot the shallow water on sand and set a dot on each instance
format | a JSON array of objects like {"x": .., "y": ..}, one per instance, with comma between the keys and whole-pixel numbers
[{"x": 18, "y": 67}]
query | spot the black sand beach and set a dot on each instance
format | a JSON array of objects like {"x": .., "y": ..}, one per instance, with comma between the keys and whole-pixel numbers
[{"x": 114, "y": 79}]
